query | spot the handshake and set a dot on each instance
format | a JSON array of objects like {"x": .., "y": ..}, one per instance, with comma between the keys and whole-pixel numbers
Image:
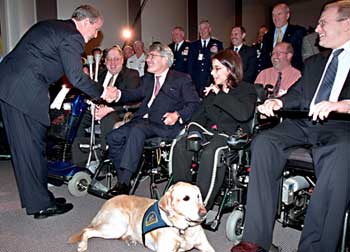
[{"x": 111, "y": 94}]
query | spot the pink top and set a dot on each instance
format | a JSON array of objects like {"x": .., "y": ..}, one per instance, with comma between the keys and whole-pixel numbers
[{"x": 269, "y": 76}]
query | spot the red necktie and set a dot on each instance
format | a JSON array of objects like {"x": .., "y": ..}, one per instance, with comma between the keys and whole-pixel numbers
[{"x": 157, "y": 87}]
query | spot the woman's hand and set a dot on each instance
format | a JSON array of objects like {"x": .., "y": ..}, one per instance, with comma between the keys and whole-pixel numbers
[{"x": 212, "y": 88}]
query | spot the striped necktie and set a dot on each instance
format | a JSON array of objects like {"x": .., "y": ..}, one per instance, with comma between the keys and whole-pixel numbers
[{"x": 328, "y": 79}]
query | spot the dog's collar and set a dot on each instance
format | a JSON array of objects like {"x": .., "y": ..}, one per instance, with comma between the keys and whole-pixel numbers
[{"x": 152, "y": 220}]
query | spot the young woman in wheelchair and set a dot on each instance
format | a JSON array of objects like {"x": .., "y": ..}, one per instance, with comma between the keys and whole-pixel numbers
[{"x": 228, "y": 104}]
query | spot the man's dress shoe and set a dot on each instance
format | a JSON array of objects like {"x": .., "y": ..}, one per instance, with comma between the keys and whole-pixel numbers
[
  {"x": 60, "y": 201},
  {"x": 119, "y": 188},
  {"x": 247, "y": 247},
  {"x": 52, "y": 211}
]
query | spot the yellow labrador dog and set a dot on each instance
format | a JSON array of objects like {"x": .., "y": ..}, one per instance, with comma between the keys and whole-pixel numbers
[{"x": 170, "y": 224}]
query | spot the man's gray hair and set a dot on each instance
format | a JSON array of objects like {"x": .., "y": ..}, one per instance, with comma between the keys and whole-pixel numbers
[
  {"x": 86, "y": 11},
  {"x": 164, "y": 51}
]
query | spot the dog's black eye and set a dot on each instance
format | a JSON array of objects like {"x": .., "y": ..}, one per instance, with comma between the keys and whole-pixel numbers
[{"x": 186, "y": 198}]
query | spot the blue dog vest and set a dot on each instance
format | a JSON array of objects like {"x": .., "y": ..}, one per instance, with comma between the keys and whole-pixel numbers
[{"x": 152, "y": 220}]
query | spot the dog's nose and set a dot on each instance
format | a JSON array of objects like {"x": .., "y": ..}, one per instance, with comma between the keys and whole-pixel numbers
[{"x": 202, "y": 212}]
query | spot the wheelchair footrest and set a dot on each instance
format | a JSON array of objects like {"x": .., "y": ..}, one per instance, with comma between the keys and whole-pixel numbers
[{"x": 212, "y": 221}]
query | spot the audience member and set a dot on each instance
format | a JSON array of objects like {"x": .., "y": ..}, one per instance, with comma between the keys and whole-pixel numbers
[
  {"x": 283, "y": 32},
  {"x": 282, "y": 75},
  {"x": 199, "y": 58},
  {"x": 258, "y": 44},
  {"x": 247, "y": 53},
  {"x": 228, "y": 104},
  {"x": 138, "y": 60},
  {"x": 180, "y": 48},
  {"x": 39, "y": 59},
  {"x": 323, "y": 90},
  {"x": 115, "y": 75},
  {"x": 168, "y": 99},
  {"x": 128, "y": 51}
]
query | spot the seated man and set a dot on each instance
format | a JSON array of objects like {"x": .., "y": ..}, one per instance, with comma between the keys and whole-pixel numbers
[
  {"x": 117, "y": 75},
  {"x": 168, "y": 99},
  {"x": 323, "y": 88},
  {"x": 282, "y": 75}
]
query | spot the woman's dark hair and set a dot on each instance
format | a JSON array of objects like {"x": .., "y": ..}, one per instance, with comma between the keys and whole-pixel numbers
[{"x": 233, "y": 62}]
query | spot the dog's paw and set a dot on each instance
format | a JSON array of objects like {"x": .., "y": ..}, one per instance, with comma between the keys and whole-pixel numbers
[
  {"x": 82, "y": 246},
  {"x": 130, "y": 242}
]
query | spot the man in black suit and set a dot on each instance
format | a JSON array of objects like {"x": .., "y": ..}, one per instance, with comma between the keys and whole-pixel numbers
[
  {"x": 180, "y": 48},
  {"x": 324, "y": 88},
  {"x": 168, "y": 99},
  {"x": 115, "y": 74},
  {"x": 283, "y": 32},
  {"x": 199, "y": 58},
  {"x": 247, "y": 53},
  {"x": 48, "y": 50}
]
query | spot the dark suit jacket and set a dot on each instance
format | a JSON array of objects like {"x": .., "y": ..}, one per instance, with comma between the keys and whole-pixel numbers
[
  {"x": 180, "y": 57},
  {"x": 294, "y": 35},
  {"x": 200, "y": 69},
  {"x": 127, "y": 79},
  {"x": 176, "y": 94},
  {"x": 249, "y": 61},
  {"x": 48, "y": 50},
  {"x": 301, "y": 93},
  {"x": 228, "y": 111}
]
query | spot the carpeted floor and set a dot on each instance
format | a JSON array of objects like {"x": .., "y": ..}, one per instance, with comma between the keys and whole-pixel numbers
[{"x": 21, "y": 233}]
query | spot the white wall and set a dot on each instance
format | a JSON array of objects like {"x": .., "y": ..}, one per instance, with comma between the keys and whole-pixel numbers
[
  {"x": 159, "y": 17},
  {"x": 19, "y": 15},
  {"x": 113, "y": 12},
  {"x": 221, "y": 16}
]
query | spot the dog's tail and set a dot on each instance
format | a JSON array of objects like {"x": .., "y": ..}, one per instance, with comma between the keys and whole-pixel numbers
[{"x": 77, "y": 237}]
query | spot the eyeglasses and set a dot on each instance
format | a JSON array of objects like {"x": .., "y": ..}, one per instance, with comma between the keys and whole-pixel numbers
[
  {"x": 323, "y": 22},
  {"x": 113, "y": 59},
  {"x": 279, "y": 53},
  {"x": 152, "y": 55}
]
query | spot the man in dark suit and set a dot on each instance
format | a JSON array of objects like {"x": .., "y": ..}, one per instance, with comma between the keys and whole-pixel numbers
[
  {"x": 324, "y": 88},
  {"x": 168, "y": 99},
  {"x": 47, "y": 51},
  {"x": 199, "y": 58},
  {"x": 114, "y": 74},
  {"x": 283, "y": 32},
  {"x": 247, "y": 53},
  {"x": 180, "y": 48}
]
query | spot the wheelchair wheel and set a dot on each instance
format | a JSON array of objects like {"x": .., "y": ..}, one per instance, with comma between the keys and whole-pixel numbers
[
  {"x": 79, "y": 183},
  {"x": 234, "y": 226}
]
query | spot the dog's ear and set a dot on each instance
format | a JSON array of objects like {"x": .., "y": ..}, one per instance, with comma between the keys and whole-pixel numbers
[{"x": 165, "y": 201}]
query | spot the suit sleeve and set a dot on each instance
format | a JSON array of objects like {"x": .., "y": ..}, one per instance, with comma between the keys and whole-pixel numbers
[
  {"x": 69, "y": 50},
  {"x": 190, "y": 99}
]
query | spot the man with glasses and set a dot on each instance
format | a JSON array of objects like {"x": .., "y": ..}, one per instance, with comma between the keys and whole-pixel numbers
[
  {"x": 324, "y": 91},
  {"x": 282, "y": 75},
  {"x": 168, "y": 99},
  {"x": 114, "y": 75}
]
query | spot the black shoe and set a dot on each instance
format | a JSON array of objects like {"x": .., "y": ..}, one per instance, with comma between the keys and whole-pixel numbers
[
  {"x": 119, "y": 188},
  {"x": 52, "y": 211},
  {"x": 60, "y": 201}
]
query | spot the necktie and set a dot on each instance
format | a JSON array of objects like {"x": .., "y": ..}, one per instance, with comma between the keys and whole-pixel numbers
[
  {"x": 111, "y": 81},
  {"x": 279, "y": 35},
  {"x": 277, "y": 85},
  {"x": 204, "y": 43},
  {"x": 236, "y": 49},
  {"x": 328, "y": 79},
  {"x": 176, "y": 47},
  {"x": 157, "y": 87}
]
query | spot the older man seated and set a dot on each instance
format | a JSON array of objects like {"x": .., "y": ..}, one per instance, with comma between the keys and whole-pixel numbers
[{"x": 168, "y": 99}]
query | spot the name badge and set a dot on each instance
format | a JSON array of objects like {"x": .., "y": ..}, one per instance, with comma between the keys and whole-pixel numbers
[{"x": 200, "y": 56}]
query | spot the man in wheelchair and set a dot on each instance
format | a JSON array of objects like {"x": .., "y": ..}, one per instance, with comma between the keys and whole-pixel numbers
[
  {"x": 228, "y": 104},
  {"x": 322, "y": 94}
]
